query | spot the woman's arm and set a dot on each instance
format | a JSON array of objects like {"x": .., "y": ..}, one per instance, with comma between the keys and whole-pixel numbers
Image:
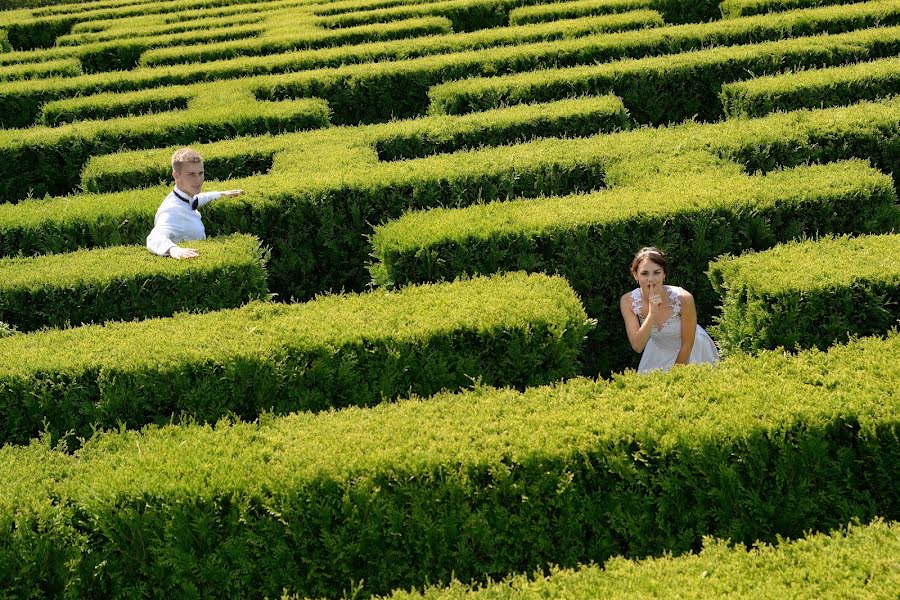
[
  {"x": 638, "y": 334},
  {"x": 688, "y": 327}
]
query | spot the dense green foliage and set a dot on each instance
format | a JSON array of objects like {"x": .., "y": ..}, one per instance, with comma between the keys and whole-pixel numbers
[
  {"x": 128, "y": 282},
  {"x": 590, "y": 239},
  {"x": 334, "y": 351},
  {"x": 667, "y": 88},
  {"x": 814, "y": 88},
  {"x": 469, "y": 486},
  {"x": 814, "y": 293},
  {"x": 858, "y": 562},
  {"x": 539, "y": 13},
  {"x": 277, "y": 454},
  {"x": 212, "y": 113},
  {"x": 399, "y": 87}
]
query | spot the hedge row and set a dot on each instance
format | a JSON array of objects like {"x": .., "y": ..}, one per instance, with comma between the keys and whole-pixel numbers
[
  {"x": 33, "y": 29},
  {"x": 814, "y": 88},
  {"x": 472, "y": 486},
  {"x": 466, "y": 15},
  {"x": 590, "y": 239},
  {"x": 63, "y": 67},
  {"x": 808, "y": 294},
  {"x": 158, "y": 25},
  {"x": 540, "y": 13},
  {"x": 49, "y": 160},
  {"x": 858, "y": 562},
  {"x": 326, "y": 189},
  {"x": 370, "y": 51},
  {"x": 359, "y": 93},
  {"x": 742, "y": 8},
  {"x": 128, "y": 282},
  {"x": 666, "y": 89},
  {"x": 353, "y": 350},
  {"x": 369, "y": 92},
  {"x": 278, "y": 41}
]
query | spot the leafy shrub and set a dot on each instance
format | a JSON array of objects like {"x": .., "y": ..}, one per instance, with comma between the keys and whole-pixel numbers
[
  {"x": 808, "y": 294},
  {"x": 472, "y": 486},
  {"x": 128, "y": 282},
  {"x": 590, "y": 239},
  {"x": 335, "y": 351}
]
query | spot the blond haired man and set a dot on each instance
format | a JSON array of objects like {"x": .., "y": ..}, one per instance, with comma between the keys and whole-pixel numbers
[{"x": 177, "y": 219}]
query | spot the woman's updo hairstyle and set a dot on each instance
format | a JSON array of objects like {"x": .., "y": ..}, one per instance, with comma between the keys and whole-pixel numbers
[{"x": 654, "y": 254}]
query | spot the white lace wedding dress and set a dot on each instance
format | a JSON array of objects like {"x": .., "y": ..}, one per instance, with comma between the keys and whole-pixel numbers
[{"x": 665, "y": 342}]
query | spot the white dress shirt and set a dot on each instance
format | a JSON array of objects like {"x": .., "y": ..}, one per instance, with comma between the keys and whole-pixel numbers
[{"x": 176, "y": 221}]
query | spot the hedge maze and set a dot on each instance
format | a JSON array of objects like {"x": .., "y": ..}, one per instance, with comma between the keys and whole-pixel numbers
[{"x": 398, "y": 366}]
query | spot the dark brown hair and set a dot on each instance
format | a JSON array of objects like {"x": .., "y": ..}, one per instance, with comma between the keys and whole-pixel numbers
[{"x": 654, "y": 254}]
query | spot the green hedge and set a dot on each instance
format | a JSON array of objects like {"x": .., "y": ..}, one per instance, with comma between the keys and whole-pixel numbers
[
  {"x": 472, "y": 486},
  {"x": 49, "y": 160},
  {"x": 809, "y": 294},
  {"x": 540, "y": 13},
  {"x": 742, "y": 8},
  {"x": 590, "y": 239},
  {"x": 128, "y": 282},
  {"x": 295, "y": 38},
  {"x": 335, "y": 351},
  {"x": 859, "y": 562},
  {"x": 466, "y": 15},
  {"x": 814, "y": 88},
  {"x": 669, "y": 88},
  {"x": 158, "y": 25},
  {"x": 326, "y": 189},
  {"x": 63, "y": 67},
  {"x": 373, "y": 50},
  {"x": 398, "y": 88}
]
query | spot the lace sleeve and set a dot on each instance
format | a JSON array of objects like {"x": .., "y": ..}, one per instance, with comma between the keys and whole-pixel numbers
[
  {"x": 675, "y": 299},
  {"x": 636, "y": 301}
]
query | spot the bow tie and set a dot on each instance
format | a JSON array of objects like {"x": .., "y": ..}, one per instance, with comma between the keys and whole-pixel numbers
[{"x": 186, "y": 200}]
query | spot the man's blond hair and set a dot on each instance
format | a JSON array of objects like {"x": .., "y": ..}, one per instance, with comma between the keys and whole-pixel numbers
[{"x": 184, "y": 156}]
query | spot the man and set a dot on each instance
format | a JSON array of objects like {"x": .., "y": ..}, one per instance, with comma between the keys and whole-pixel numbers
[{"x": 177, "y": 219}]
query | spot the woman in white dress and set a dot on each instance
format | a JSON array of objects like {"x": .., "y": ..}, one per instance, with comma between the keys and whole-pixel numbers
[{"x": 661, "y": 320}]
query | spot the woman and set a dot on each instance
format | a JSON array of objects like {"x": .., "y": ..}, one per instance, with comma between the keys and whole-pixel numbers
[{"x": 661, "y": 320}]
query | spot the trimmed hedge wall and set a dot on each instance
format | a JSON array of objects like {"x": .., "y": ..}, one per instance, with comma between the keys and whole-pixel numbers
[
  {"x": 857, "y": 562},
  {"x": 540, "y": 13},
  {"x": 471, "y": 486},
  {"x": 590, "y": 239},
  {"x": 815, "y": 88},
  {"x": 516, "y": 330},
  {"x": 295, "y": 38},
  {"x": 808, "y": 294},
  {"x": 65, "y": 67},
  {"x": 398, "y": 88},
  {"x": 128, "y": 282},
  {"x": 665, "y": 89},
  {"x": 742, "y": 8},
  {"x": 49, "y": 160},
  {"x": 326, "y": 189}
]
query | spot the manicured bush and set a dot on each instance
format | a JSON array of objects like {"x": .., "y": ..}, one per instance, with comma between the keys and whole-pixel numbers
[
  {"x": 469, "y": 486},
  {"x": 856, "y": 562},
  {"x": 49, "y": 160},
  {"x": 669, "y": 88},
  {"x": 316, "y": 220},
  {"x": 743, "y": 8},
  {"x": 808, "y": 294},
  {"x": 128, "y": 282},
  {"x": 398, "y": 87},
  {"x": 590, "y": 239},
  {"x": 517, "y": 330},
  {"x": 539, "y": 13},
  {"x": 67, "y": 67},
  {"x": 297, "y": 38},
  {"x": 814, "y": 88}
]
